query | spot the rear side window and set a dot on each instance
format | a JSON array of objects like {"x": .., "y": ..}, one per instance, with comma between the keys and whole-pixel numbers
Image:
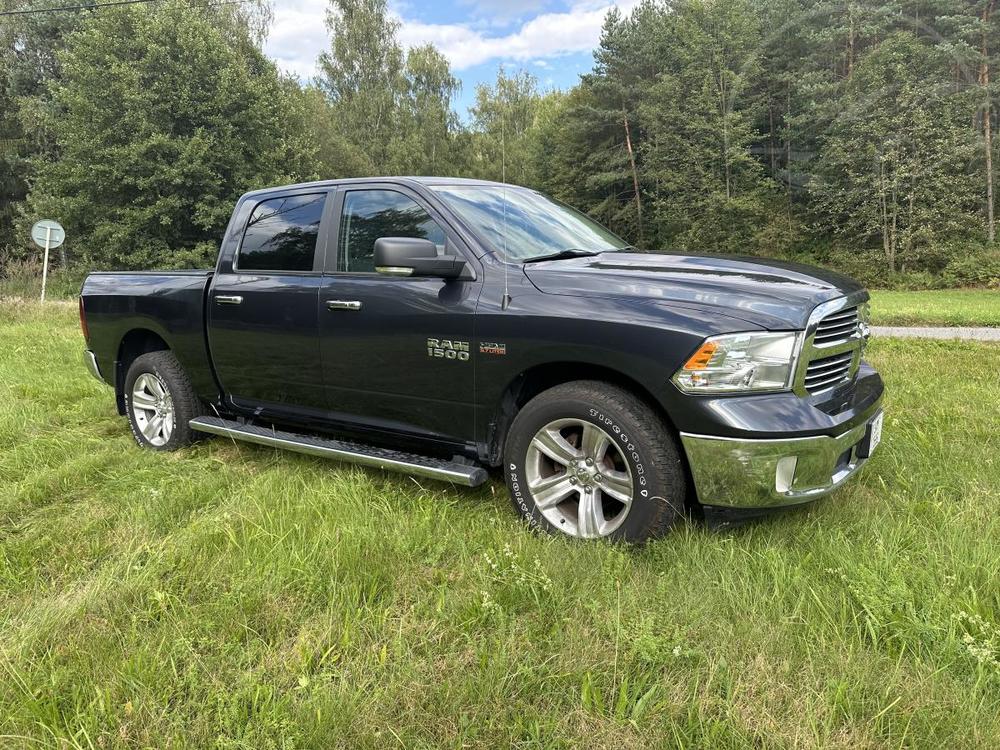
[
  {"x": 370, "y": 214},
  {"x": 281, "y": 234}
]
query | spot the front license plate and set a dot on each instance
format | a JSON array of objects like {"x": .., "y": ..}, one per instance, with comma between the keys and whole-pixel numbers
[{"x": 874, "y": 436}]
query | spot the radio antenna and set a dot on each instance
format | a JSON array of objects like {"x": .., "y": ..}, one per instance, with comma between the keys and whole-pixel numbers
[{"x": 503, "y": 179}]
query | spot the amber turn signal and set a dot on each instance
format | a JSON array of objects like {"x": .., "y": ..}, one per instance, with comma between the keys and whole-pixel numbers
[{"x": 700, "y": 359}]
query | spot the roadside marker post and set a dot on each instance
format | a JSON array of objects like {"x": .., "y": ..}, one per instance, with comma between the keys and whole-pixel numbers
[{"x": 47, "y": 234}]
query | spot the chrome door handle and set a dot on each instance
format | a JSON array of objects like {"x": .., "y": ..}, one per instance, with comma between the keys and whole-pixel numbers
[
  {"x": 228, "y": 299},
  {"x": 343, "y": 304}
]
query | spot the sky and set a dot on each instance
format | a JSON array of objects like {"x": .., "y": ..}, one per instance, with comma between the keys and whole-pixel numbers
[{"x": 552, "y": 39}]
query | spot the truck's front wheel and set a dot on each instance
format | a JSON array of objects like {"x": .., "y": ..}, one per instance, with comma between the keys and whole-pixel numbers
[
  {"x": 591, "y": 460},
  {"x": 160, "y": 401}
]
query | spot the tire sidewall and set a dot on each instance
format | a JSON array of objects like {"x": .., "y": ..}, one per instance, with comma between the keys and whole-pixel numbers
[
  {"x": 147, "y": 364},
  {"x": 652, "y": 497}
]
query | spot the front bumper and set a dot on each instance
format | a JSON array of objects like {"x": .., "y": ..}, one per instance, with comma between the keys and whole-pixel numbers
[{"x": 742, "y": 473}]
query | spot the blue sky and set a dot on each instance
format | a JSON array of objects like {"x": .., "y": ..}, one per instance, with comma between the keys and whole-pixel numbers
[{"x": 552, "y": 39}]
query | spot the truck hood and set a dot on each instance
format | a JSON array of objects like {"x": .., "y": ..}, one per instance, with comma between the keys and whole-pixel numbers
[{"x": 768, "y": 293}]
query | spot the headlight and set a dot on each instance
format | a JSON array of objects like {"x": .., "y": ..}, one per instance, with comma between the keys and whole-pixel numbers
[{"x": 740, "y": 362}]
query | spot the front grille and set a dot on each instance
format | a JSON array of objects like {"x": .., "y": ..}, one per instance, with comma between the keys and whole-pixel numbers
[
  {"x": 828, "y": 371},
  {"x": 836, "y": 328}
]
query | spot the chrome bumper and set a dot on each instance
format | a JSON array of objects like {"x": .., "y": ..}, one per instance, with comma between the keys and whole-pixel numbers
[
  {"x": 739, "y": 473},
  {"x": 91, "y": 362}
]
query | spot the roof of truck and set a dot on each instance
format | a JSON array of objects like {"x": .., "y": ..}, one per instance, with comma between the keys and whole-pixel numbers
[{"x": 428, "y": 181}]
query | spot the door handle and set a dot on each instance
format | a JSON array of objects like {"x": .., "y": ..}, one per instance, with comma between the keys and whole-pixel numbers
[
  {"x": 228, "y": 299},
  {"x": 343, "y": 304}
]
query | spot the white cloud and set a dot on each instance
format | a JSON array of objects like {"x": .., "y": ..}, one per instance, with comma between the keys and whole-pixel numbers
[
  {"x": 544, "y": 36},
  {"x": 298, "y": 35}
]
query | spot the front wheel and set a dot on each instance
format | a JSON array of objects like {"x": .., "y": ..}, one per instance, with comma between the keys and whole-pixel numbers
[{"x": 590, "y": 460}]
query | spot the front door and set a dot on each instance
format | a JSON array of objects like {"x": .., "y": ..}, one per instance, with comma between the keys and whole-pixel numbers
[
  {"x": 396, "y": 350},
  {"x": 263, "y": 307}
]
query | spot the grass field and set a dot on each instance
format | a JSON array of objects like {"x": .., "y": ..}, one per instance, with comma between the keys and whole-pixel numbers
[
  {"x": 946, "y": 307},
  {"x": 237, "y": 597}
]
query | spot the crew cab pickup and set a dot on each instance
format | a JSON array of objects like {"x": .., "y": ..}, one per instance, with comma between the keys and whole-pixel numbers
[{"x": 448, "y": 327}]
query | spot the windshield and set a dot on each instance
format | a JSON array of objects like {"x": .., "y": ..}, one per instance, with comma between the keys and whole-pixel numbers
[{"x": 535, "y": 225}]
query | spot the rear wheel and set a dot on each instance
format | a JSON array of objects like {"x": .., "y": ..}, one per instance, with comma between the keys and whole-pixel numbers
[
  {"x": 590, "y": 460},
  {"x": 160, "y": 401}
]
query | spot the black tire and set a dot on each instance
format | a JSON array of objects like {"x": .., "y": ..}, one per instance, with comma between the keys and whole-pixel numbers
[
  {"x": 163, "y": 365},
  {"x": 645, "y": 444}
]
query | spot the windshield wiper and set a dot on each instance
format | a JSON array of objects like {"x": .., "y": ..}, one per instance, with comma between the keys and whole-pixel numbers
[{"x": 570, "y": 252}]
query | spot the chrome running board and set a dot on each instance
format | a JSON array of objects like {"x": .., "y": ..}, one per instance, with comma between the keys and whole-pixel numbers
[{"x": 345, "y": 450}]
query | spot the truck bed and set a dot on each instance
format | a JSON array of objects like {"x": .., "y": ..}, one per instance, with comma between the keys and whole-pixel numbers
[{"x": 168, "y": 304}]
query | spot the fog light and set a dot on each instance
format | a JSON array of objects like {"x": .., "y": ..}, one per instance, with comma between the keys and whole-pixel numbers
[{"x": 784, "y": 474}]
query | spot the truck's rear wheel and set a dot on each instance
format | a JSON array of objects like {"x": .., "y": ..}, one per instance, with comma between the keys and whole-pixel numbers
[
  {"x": 160, "y": 401},
  {"x": 591, "y": 460}
]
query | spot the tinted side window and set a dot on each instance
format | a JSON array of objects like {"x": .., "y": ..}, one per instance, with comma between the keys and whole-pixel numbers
[
  {"x": 281, "y": 234},
  {"x": 370, "y": 214}
]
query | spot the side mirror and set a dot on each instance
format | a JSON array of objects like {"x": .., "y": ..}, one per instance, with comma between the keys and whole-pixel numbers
[{"x": 412, "y": 256}]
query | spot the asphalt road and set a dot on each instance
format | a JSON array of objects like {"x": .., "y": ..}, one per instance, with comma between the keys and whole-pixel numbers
[{"x": 975, "y": 334}]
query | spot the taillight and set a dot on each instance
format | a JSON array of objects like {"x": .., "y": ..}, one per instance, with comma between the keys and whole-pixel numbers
[{"x": 83, "y": 323}]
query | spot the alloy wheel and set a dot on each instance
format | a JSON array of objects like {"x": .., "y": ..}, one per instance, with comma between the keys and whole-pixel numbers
[
  {"x": 153, "y": 409},
  {"x": 579, "y": 478}
]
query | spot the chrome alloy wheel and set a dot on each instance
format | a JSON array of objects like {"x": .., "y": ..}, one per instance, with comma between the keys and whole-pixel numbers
[
  {"x": 153, "y": 409},
  {"x": 579, "y": 478}
]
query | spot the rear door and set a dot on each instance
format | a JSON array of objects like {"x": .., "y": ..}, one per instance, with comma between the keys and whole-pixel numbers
[
  {"x": 263, "y": 325},
  {"x": 397, "y": 350}
]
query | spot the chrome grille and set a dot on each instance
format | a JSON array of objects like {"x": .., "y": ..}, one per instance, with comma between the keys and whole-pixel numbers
[
  {"x": 834, "y": 340},
  {"x": 828, "y": 371},
  {"x": 837, "y": 328}
]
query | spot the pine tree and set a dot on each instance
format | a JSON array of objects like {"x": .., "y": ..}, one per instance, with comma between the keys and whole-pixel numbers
[
  {"x": 892, "y": 167},
  {"x": 711, "y": 192},
  {"x": 631, "y": 54}
]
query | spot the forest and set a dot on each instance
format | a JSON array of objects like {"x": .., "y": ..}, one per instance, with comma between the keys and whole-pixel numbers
[{"x": 857, "y": 135}]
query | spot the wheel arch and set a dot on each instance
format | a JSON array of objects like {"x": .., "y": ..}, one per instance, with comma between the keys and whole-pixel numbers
[
  {"x": 134, "y": 344},
  {"x": 533, "y": 381}
]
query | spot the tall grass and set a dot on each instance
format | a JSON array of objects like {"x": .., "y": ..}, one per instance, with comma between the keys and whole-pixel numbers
[
  {"x": 240, "y": 597},
  {"x": 22, "y": 279}
]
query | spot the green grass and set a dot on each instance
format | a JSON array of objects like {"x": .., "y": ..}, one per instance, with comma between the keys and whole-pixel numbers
[
  {"x": 951, "y": 307},
  {"x": 238, "y": 597}
]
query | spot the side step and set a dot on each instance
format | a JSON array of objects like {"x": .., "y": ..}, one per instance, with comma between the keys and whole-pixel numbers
[{"x": 345, "y": 450}]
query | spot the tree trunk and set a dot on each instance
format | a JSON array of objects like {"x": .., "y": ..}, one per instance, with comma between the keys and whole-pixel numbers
[
  {"x": 884, "y": 210},
  {"x": 770, "y": 134},
  {"x": 788, "y": 154},
  {"x": 850, "y": 41},
  {"x": 911, "y": 201},
  {"x": 894, "y": 233},
  {"x": 635, "y": 172},
  {"x": 984, "y": 80},
  {"x": 723, "y": 107}
]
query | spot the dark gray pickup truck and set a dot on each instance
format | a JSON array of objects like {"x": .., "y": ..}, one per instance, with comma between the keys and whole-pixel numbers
[{"x": 446, "y": 327}]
